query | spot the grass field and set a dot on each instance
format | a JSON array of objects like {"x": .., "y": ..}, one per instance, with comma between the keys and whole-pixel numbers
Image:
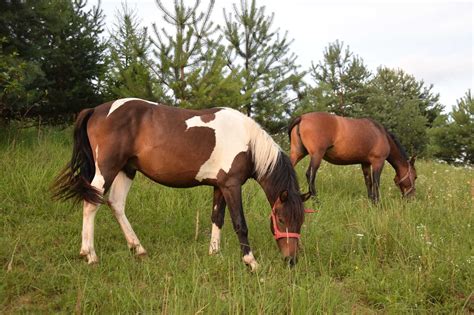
[{"x": 398, "y": 257}]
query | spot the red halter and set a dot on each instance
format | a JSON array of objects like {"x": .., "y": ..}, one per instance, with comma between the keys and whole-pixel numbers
[{"x": 278, "y": 234}]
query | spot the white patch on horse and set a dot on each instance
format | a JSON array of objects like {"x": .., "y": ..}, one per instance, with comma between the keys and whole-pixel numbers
[
  {"x": 215, "y": 239},
  {"x": 98, "y": 181},
  {"x": 122, "y": 101},
  {"x": 232, "y": 138}
]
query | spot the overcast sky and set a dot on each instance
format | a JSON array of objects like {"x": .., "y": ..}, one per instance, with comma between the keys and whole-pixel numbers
[{"x": 432, "y": 40}]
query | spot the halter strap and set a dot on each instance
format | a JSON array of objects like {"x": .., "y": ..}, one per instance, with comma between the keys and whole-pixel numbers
[
  {"x": 407, "y": 175},
  {"x": 278, "y": 234}
]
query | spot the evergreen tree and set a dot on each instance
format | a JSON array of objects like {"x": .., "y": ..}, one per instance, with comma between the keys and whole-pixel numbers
[
  {"x": 341, "y": 83},
  {"x": 61, "y": 46},
  {"x": 18, "y": 81},
  {"x": 129, "y": 73},
  {"x": 189, "y": 60},
  {"x": 269, "y": 68},
  {"x": 452, "y": 135},
  {"x": 402, "y": 104}
]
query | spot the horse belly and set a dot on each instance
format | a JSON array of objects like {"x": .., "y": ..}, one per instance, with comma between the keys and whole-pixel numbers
[
  {"x": 175, "y": 162},
  {"x": 345, "y": 157}
]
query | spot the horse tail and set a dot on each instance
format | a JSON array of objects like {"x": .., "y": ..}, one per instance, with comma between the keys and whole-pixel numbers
[
  {"x": 73, "y": 182},
  {"x": 293, "y": 123},
  {"x": 297, "y": 148}
]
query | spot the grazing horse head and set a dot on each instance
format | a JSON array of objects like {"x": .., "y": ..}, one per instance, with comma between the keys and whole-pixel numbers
[
  {"x": 406, "y": 182},
  {"x": 281, "y": 223},
  {"x": 287, "y": 214}
]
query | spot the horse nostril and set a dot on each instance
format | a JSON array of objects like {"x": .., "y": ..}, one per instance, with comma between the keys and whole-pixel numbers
[{"x": 290, "y": 261}]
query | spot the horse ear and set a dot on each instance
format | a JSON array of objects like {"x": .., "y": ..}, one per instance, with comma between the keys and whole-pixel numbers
[
  {"x": 305, "y": 197},
  {"x": 284, "y": 196},
  {"x": 412, "y": 160}
]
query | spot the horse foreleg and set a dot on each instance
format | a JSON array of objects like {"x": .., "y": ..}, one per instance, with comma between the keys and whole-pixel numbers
[
  {"x": 376, "y": 172},
  {"x": 368, "y": 179},
  {"x": 217, "y": 218},
  {"x": 117, "y": 197},
  {"x": 88, "y": 217},
  {"x": 233, "y": 198}
]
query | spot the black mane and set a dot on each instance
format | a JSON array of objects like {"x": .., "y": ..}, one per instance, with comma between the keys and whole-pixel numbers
[
  {"x": 398, "y": 144},
  {"x": 283, "y": 177},
  {"x": 392, "y": 136}
]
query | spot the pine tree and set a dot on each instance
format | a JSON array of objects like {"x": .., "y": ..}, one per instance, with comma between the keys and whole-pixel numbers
[
  {"x": 189, "y": 62},
  {"x": 341, "y": 82},
  {"x": 452, "y": 135},
  {"x": 61, "y": 48},
  {"x": 403, "y": 105},
  {"x": 129, "y": 73},
  {"x": 270, "y": 72}
]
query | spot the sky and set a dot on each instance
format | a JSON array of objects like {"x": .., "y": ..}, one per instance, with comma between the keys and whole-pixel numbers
[{"x": 432, "y": 40}]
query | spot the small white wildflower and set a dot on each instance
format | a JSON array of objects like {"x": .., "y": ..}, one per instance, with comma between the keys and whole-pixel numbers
[{"x": 359, "y": 235}]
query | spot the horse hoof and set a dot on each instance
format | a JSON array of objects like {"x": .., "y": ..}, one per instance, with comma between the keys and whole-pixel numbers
[
  {"x": 253, "y": 266},
  {"x": 250, "y": 261},
  {"x": 213, "y": 249},
  {"x": 140, "y": 251},
  {"x": 90, "y": 257}
]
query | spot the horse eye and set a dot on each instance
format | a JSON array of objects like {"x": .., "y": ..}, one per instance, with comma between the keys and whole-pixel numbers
[{"x": 280, "y": 220}]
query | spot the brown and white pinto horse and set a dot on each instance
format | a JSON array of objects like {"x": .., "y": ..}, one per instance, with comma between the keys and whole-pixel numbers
[
  {"x": 344, "y": 141},
  {"x": 219, "y": 147}
]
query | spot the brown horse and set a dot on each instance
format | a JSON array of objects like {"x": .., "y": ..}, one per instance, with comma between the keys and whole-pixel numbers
[
  {"x": 219, "y": 147},
  {"x": 344, "y": 141}
]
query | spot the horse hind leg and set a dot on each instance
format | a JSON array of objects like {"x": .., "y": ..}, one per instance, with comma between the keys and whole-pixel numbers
[
  {"x": 116, "y": 201},
  {"x": 88, "y": 217},
  {"x": 313, "y": 167},
  {"x": 217, "y": 218},
  {"x": 297, "y": 149},
  {"x": 106, "y": 168}
]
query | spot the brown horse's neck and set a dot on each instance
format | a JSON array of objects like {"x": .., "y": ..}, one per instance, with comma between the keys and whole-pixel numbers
[{"x": 397, "y": 158}]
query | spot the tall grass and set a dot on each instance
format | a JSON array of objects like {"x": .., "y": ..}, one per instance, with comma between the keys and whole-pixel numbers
[{"x": 397, "y": 257}]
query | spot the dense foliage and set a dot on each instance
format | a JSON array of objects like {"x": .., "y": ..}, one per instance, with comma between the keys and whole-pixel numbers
[
  {"x": 61, "y": 61},
  {"x": 52, "y": 58},
  {"x": 453, "y": 134}
]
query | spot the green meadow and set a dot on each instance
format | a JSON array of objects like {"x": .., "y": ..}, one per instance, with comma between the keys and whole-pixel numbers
[{"x": 397, "y": 257}]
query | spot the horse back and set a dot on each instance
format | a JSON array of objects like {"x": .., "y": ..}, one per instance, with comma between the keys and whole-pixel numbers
[
  {"x": 173, "y": 146},
  {"x": 343, "y": 140}
]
